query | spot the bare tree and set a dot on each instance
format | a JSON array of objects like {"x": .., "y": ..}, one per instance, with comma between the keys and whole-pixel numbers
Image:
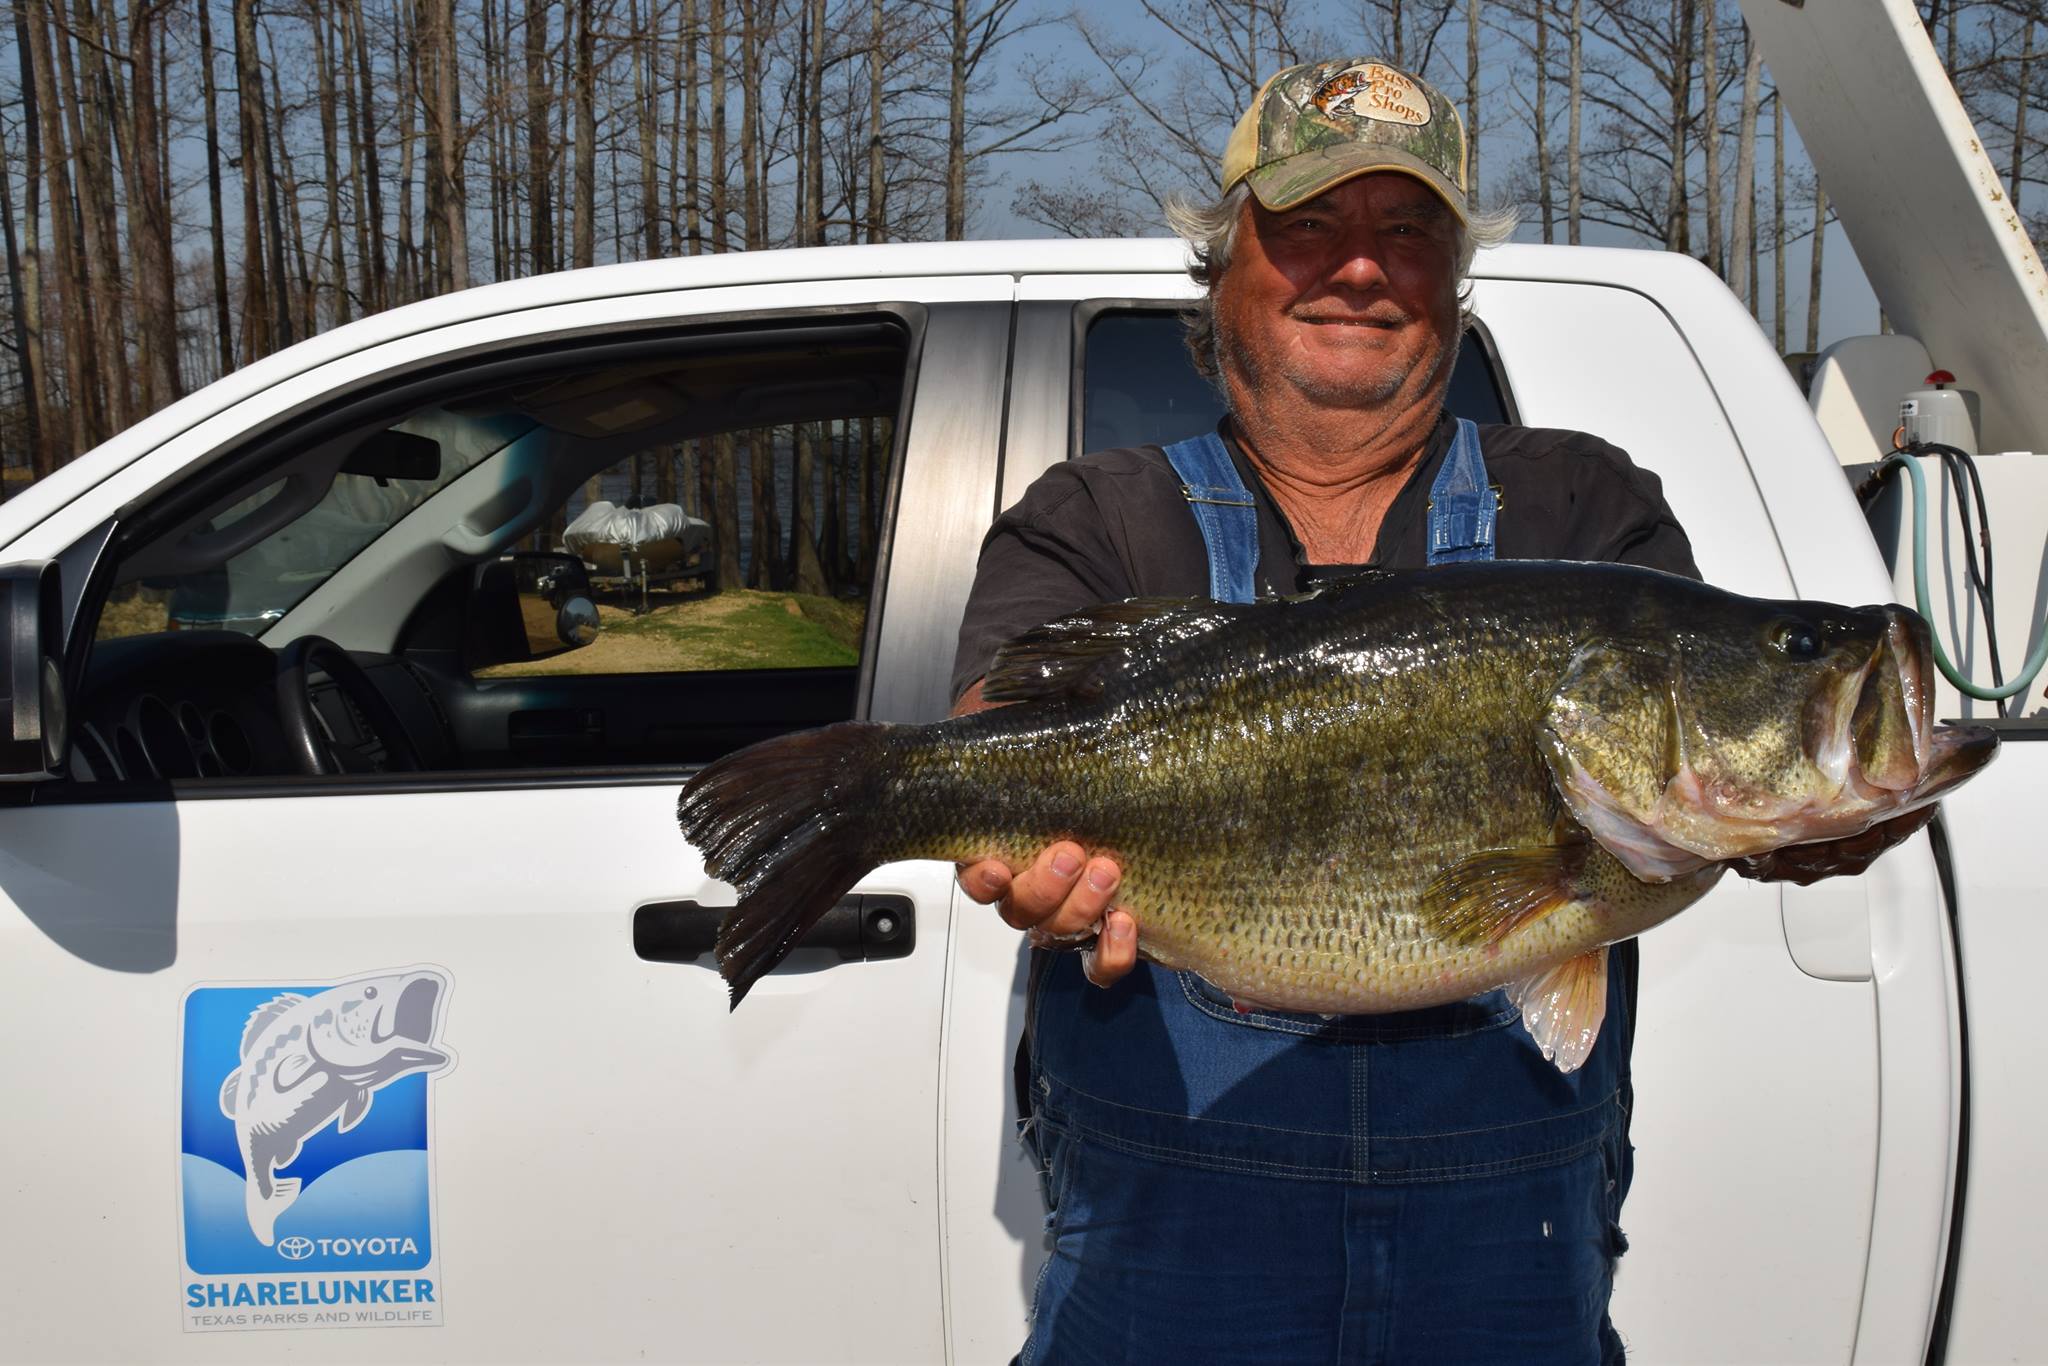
[
  {"x": 1820, "y": 237},
  {"x": 539, "y": 155},
  {"x": 877, "y": 215},
  {"x": 88, "y": 109},
  {"x": 81, "y": 371},
  {"x": 1677, "y": 230},
  {"x": 1406, "y": 30},
  {"x": 584, "y": 96},
  {"x": 721, "y": 192},
  {"x": 1710, "y": 128},
  {"x": 1742, "y": 265},
  {"x": 814, "y": 126},
  {"x": 1542, "y": 120},
  {"x": 452, "y": 252},
  {"x": 353, "y": 132},
  {"x": 1472, "y": 94},
  {"x": 371, "y": 235},
  {"x": 1778, "y": 221},
  {"x": 2022, "y": 94},
  {"x": 23, "y": 282},
  {"x": 149, "y": 215},
  {"x": 752, "y": 71},
  {"x": 646, "y": 102},
  {"x": 1575, "y": 98},
  {"x": 693, "y": 221},
  {"x": 224, "y": 331},
  {"x": 1173, "y": 107},
  {"x": 334, "y": 252},
  {"x": 406, "y": 101}
]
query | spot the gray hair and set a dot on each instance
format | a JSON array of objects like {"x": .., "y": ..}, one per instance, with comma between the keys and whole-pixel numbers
[{"x": 1210, "y": 228}]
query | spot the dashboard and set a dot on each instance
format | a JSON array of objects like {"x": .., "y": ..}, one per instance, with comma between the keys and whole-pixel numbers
[{"x": 208, "y": 704}]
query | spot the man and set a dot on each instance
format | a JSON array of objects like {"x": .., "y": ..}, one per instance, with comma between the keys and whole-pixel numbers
[{"x": 1231, "y": 1184}]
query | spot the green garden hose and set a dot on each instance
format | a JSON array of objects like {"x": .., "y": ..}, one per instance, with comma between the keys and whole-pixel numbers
[{"x": 2028, "y": 672}]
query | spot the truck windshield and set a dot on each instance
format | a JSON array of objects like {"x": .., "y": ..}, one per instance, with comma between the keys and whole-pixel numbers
[{"x": 250, "y": 590}]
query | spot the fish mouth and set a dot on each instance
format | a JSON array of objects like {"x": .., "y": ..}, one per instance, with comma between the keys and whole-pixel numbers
[
  {"x": 1959, "y": 752},
  {"x": 1896, "y": 754},
  {"x": 1890, "y": 729},
  {"x": 412, "y": 1015}
]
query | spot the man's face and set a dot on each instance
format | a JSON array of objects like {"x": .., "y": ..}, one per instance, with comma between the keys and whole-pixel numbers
[{"x": 1347, "y": 301}]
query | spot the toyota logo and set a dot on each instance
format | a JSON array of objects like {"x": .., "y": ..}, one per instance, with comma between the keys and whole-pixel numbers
[{"x": 295, "y": 1248}]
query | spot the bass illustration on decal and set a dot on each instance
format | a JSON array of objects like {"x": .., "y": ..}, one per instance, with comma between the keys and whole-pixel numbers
[
  {"x": 306, "y": 1150},
  {"x": 308, "y": 1060}
]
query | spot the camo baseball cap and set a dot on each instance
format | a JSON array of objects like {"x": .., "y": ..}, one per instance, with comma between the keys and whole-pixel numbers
[{"x": 1314, "y": 126}]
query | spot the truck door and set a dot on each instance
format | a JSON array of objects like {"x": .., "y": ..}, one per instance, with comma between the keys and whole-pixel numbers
[
  {"x": 1756, "y": 1059},
  {"x": 444, "y": 1049}
]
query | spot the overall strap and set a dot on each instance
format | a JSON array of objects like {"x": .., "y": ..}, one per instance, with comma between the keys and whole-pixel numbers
[
  {"x": 1225, "y": 512},
  {"x": 1462, "y": 505}
]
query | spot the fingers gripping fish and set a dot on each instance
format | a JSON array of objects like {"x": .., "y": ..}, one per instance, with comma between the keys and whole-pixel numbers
[
  {"x": 1401, "y": 790},
  {"x": 308, "y": 1060}
]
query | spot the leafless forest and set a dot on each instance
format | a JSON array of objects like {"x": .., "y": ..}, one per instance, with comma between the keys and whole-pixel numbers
[{"x": 192, "y": 184}]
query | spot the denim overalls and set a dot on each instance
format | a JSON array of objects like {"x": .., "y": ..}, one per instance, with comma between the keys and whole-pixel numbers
[{"x": 1270, "y": 1187}]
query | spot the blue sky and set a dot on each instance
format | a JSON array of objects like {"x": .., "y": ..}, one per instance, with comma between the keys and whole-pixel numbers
[{"x": 1848, "y": 305}]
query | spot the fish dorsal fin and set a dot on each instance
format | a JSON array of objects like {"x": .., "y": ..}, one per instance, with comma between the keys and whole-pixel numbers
[
  {"x": 1563, "y": 1006},
  {"x": 1487, "y": 896},
  {"x": 1077, "y": 656},
  {"x": 1359, "y": 578},
  {"x": 260, "y": 1018}
]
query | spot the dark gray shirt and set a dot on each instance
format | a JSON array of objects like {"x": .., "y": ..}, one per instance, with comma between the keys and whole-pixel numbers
[{"x": 1114, "y": 525}]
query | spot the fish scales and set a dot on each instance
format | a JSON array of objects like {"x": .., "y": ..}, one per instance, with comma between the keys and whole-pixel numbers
[
  {"x": 1391, "y": 793},
  {"x": 1315, "y": 792}
]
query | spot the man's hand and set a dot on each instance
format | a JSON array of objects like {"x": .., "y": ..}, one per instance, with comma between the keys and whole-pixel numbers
[
  {"x": 1809, "y": 863},
  {"x": 1062, "y": 899}
]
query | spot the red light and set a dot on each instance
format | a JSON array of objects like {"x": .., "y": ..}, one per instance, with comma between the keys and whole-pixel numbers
[{"x": 1941, "y": 377}]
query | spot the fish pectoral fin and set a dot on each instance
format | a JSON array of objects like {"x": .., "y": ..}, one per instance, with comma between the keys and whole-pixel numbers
[
  {"x": 352, "y": 1113},
  {"x": 1563, "y": 1007},
  {"x": 1487, "y": 896},
  {"x": 292, "y": 1069},
  {"x": 1076, "y": 656}
]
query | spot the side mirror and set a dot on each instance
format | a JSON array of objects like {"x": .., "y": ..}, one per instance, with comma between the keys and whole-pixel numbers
[
  {"x": 32, "y": 607},
  {"x": 528, "y": 606}
]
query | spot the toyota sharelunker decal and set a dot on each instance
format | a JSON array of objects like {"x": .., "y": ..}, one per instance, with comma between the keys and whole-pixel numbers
[{"x": 306, "y": 1167}]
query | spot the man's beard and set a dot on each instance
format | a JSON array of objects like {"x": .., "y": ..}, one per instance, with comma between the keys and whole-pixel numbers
[{"x": 1231, "y": 352}]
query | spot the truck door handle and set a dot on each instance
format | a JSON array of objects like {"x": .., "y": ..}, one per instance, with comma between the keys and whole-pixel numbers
[{"x": 859, "y": 929}]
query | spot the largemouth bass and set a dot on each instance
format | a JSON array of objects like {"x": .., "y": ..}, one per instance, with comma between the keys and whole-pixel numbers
[{"x": 1397, "y": 791}]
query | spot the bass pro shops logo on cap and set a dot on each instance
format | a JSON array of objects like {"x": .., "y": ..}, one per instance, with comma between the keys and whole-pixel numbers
[
  {"x": 1372, "y": 91},
  {"x": 1312, "y": 127}
]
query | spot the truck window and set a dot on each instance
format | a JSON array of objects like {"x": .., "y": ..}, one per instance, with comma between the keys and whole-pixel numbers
[
  {"x": 1139, "y": 386},
  {"x": 752, "y": 548},
  {"x": 604, "y": 553}
]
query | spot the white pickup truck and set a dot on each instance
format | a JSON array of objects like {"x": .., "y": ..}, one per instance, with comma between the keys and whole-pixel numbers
[{"x": 353, "y": 972}]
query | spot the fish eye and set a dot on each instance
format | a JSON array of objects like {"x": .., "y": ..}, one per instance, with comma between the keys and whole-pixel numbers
[
  {"x": 1796, "y": 639},
  {"x": 369, "y": 993}
]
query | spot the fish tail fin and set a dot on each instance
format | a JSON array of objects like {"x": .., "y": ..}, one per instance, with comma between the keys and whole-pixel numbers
[
  {"x": 264, "y": 1209},
  {"x": 787, "y": 822}
]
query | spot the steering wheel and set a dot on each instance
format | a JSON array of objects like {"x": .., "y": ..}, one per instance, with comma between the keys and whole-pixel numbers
[{"x": 312, "y": 752}]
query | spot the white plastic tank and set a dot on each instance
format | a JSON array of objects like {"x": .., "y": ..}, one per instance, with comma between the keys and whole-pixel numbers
[{"x": 1940, "y": 414}]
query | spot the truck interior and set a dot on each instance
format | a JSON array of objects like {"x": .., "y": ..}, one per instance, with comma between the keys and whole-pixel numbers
[{"x": 387, "y": 523}]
